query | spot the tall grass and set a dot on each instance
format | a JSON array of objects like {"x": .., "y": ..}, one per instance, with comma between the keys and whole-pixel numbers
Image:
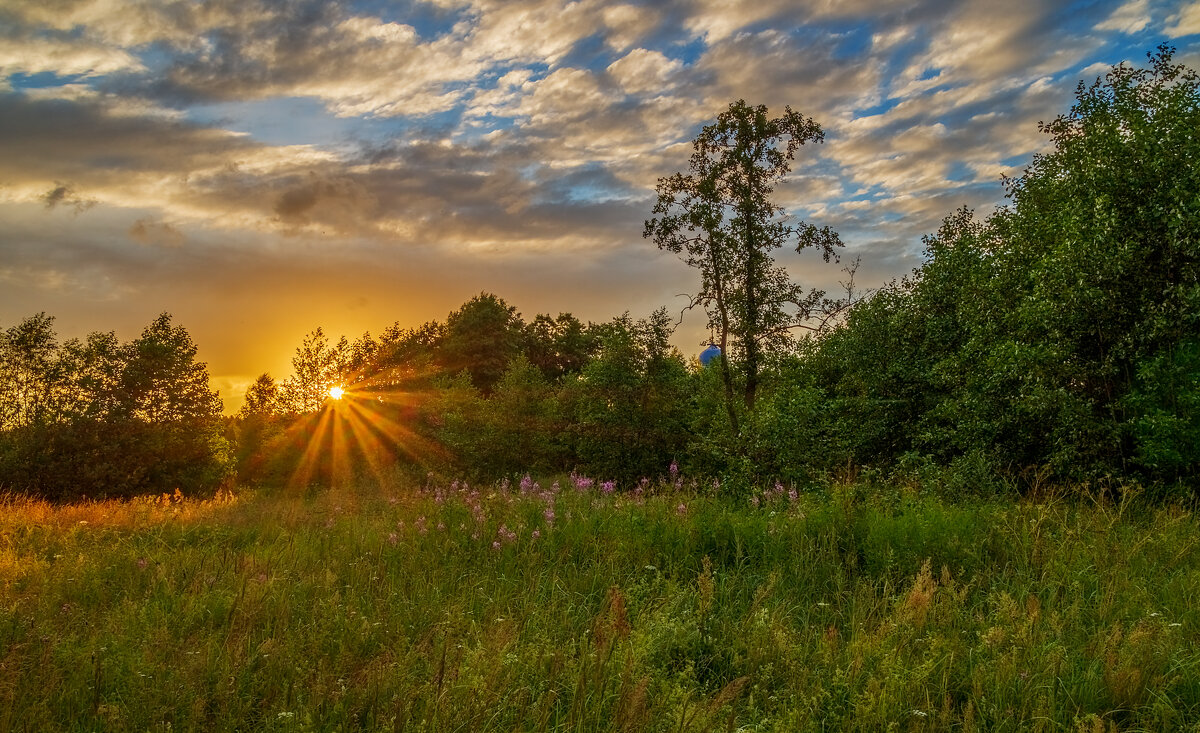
[{"x": 563, "y": 606}]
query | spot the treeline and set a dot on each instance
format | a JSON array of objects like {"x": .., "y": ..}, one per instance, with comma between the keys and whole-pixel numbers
[
  {"x": 1059, "y": 338},
  {"x": 99, "y": 417},
  {"x": 483, "y": 395},
  {"x": 1056, "y": 341}
]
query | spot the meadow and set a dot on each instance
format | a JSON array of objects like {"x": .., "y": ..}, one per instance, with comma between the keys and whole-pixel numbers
[{"x": 571, "y": 604}]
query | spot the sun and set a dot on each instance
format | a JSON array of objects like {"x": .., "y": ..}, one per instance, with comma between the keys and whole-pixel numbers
[{"x": 336, "y": 392}]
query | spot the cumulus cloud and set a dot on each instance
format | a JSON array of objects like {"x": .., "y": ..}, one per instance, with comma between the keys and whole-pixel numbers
[
  {"x": 1131, "y": 17},
  {"x": 1186, "y": 22}
]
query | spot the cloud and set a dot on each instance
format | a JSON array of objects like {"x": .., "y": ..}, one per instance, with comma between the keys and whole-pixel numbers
[
  {"x": 63, "y": 194},
  {"x": 1131, "y": 17},
  {"x": 1186, "y": 22},
  {"x": 24, "y": 55},
  {"x": 156, "y": 234},
  {"x": 644, "y": 72}
]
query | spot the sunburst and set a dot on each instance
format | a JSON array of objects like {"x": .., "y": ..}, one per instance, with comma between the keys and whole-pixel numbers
[{"x": 366, "y": 423}]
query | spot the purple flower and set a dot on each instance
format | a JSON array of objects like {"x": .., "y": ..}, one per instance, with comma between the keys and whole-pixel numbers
[
  {"x": 674, "y": 470},
  {"x": 393, "y": 538},
  {"x": 527, "y": 484},
  {"x": 536, "y": 534},
  {"x": 608, "y": 487}
]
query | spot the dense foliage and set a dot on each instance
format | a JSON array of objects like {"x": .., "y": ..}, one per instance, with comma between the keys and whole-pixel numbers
[
  {"x": 1058, "y": 337},
  {"x": 102, "y": 418}
]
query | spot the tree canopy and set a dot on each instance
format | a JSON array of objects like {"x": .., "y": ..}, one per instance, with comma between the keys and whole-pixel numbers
[{"x": 720, "y": 218}]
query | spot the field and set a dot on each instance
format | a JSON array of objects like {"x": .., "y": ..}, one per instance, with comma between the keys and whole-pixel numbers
[{"x": 565, "y": 605}]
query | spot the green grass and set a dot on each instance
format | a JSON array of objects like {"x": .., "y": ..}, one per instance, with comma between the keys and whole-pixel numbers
[{"x": 395, "y": 609}]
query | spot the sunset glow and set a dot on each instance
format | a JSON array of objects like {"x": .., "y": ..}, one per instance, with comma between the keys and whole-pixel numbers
[{"x": 336, "y": 392}]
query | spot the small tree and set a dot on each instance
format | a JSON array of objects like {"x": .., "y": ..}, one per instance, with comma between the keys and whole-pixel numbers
[
  {"x": 721, "y": 219},
  {"x": 317, "y": 366}
]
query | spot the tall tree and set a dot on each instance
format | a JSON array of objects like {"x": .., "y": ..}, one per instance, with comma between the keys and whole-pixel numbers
[
  {"x": 721, "y": 219},
  {"x": 481, "y": 337},
  {"x": 162, "y": 381},
  {"x": 28, "y": 354}
]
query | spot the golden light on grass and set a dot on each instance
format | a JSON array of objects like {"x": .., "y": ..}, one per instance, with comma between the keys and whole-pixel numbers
[{"x": 336, "y": 392}]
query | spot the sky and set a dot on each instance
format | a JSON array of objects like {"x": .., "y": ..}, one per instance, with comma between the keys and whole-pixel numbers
[{"x": 259, "y": 168}]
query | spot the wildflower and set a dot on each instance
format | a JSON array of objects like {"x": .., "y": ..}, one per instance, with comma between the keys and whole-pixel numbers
[
  {"x": 420, "y": 524},
  {"x": 681, "y": 509},
  {"x": 674, "y": 470},
  {"x": 496, "y": 545},
  {"x": 548, "y": 513},
  {"x": 608, "y": 486},
  {"x": 141, "y": 563},
  {"x": 754, "y": 501},
  {"x": 526, "y": 484},
  {"x": 582, "y": 483},
  {"x": 441, "y": 526},
  {"x": 536, "y": 534},
  {"x": 393, "y": 538},
  {"x": 793, "y": 495}
]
